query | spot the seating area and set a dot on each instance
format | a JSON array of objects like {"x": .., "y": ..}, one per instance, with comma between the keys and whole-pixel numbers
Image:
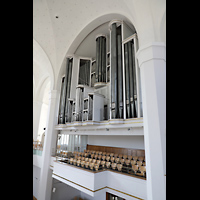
[{"x": 101, "y": 160}]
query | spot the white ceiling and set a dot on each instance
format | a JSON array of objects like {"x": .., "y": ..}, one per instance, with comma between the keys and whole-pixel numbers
[
  {"x": 55, "y": 36},
  {"x": 88, "y": 46}
]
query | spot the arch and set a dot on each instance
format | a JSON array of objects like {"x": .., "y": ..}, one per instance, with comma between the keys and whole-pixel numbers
[
  {"x": 85, "y": 32},
  {"x": 40, "y": 90},
  {"x": 42, "y": 60}
]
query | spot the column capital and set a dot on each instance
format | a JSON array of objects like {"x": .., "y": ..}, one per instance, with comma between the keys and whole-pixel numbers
[{"x": 151, "y": 51}]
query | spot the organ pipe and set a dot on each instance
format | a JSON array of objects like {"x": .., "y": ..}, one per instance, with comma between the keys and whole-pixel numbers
[
  {"x": 62, "y": 110},
  {"x": 104, "y": 59},
  {"x": 65, "y": 92},
  {"x": 134, "y": 81},
  {"x": 119, "y": 77},
  {"x": 101, "y": 59},
  {"x": 130, "y": 63},
  {"x": 84, "y": 72},
  {"x": 114, "y": 91},
  {"x": 127, "y": 81},
  {"x": 68, "y": 91},
  {"x": 116, "y": 73},
  {"x": 97, "y": 60},
  {"x": 130, "y": 80},
  {"x": 61, "y": 96}
]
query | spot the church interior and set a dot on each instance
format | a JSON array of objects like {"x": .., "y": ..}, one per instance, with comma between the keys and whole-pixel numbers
[{"x": 99, "y": 100}]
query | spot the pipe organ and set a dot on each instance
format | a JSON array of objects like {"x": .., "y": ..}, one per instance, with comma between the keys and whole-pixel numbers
[
  {"x": 65, "y": 92},
  {"x": 101, "y": 59},
  {"x": 107, "y": 85}
]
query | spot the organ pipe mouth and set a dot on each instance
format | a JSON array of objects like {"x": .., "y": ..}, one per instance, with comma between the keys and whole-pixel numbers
[
  {"x": 100, "y": 35},
  {"x": 117, "y": 21},
  {"x": 69, "y": 56}
]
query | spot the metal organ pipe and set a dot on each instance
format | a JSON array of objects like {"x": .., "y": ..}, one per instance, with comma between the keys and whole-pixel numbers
[
  {"x": 130, "y": 63},
  {"x": 100, "y": 59},
  {"x": 130, "y": 80},
  {"x": 97, "y": 60},
  {"x": 134, "y": 81},
  {"x": 114, "y": 103},
  {"x": 65, "y": 92},
  {"x": 103, "y": 59},
  {"x": 116, "y": 73},
  {"x": 87, "y": 72},
  {"x": 119, "y": 77},
  {"x": 68, "y": 90},
  {"x": 61, "y": 96},
  {"x": 62, "y": 111},
  {"x": 127, "y": 81}
]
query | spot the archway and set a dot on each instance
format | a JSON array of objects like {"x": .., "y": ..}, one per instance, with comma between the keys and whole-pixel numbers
[{"x": 84, "y": 33}]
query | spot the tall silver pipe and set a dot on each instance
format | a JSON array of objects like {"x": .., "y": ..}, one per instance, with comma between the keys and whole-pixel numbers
[
  {"x": 88, "y": 71},
  {"x": 62, "y": 114},
  {"x": 134, "y": 81},
  {"x": 97, "y": 60},
  {"x": 61, "y": 96},
  {"x": 119, "y": 77},
  {"x": 127, "y": 81},
  {"x": 104, "y": 59},
  {"x": 69, "y": 112},
  {"x": 90, "y": 107},
  {"x": 100, "y": 59},
  {"x": 77, "y": 104},
  {"x": 131, "y": 81},
  {"x": 68, "y": 89},
  {"x": 113, "y": 72}
]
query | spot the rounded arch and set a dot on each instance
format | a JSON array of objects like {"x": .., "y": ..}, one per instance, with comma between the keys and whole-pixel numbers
[
  {"x": 41, "y": 59},
  {"x": 85, "y": 32}
]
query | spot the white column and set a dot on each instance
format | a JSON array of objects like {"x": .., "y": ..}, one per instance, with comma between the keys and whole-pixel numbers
[
  {"x": 36, "y": 118},
  {"x": 49, "y": 147},
  {"x": 152, "y": 63}
]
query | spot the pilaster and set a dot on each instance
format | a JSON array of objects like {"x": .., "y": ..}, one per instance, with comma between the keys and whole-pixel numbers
[
  {"x": 36, "y": 118},
  {"x": 49, "y": 147},
  {"x": 152, "y": 63}
]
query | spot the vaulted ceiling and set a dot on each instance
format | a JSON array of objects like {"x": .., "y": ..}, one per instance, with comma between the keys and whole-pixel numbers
[{"x": 57, "y": 24}]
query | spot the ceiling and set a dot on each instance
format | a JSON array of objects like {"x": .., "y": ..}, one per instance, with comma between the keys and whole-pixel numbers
[
  {"x": 87, "y": 47},
  {"x": 65, "y": 26}
]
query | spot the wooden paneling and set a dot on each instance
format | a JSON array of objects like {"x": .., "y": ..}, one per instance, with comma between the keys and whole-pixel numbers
[{"x": 128, "y": 151}]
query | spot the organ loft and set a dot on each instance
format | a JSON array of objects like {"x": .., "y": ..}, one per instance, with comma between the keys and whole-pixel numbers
[{"x": 108, "y": 85}]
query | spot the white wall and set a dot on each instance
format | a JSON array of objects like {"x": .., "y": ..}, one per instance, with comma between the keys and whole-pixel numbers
[
  {"x": 36, "y": 118},
  {"x": 63, "y": 191},
  {"x": 136, "y": 142},
  {"x": 43, "y": 120},
  {"x": 36, "y": 179}
]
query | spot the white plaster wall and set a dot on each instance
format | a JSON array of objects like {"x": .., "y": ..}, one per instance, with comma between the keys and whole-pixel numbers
[
  {"x": 63, "y": 191},
  {"x": 36, "y": 118},
  {"x": 117, "y": 141},
  {"x": 100, "y": 196},
  {"x": 36, "y": 179},
  {"x": 43, "y": 120},
  {"x": 37, "y": 160}
]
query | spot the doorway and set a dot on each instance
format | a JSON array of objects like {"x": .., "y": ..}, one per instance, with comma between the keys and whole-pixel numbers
[{"x": 110, "y": 196}]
